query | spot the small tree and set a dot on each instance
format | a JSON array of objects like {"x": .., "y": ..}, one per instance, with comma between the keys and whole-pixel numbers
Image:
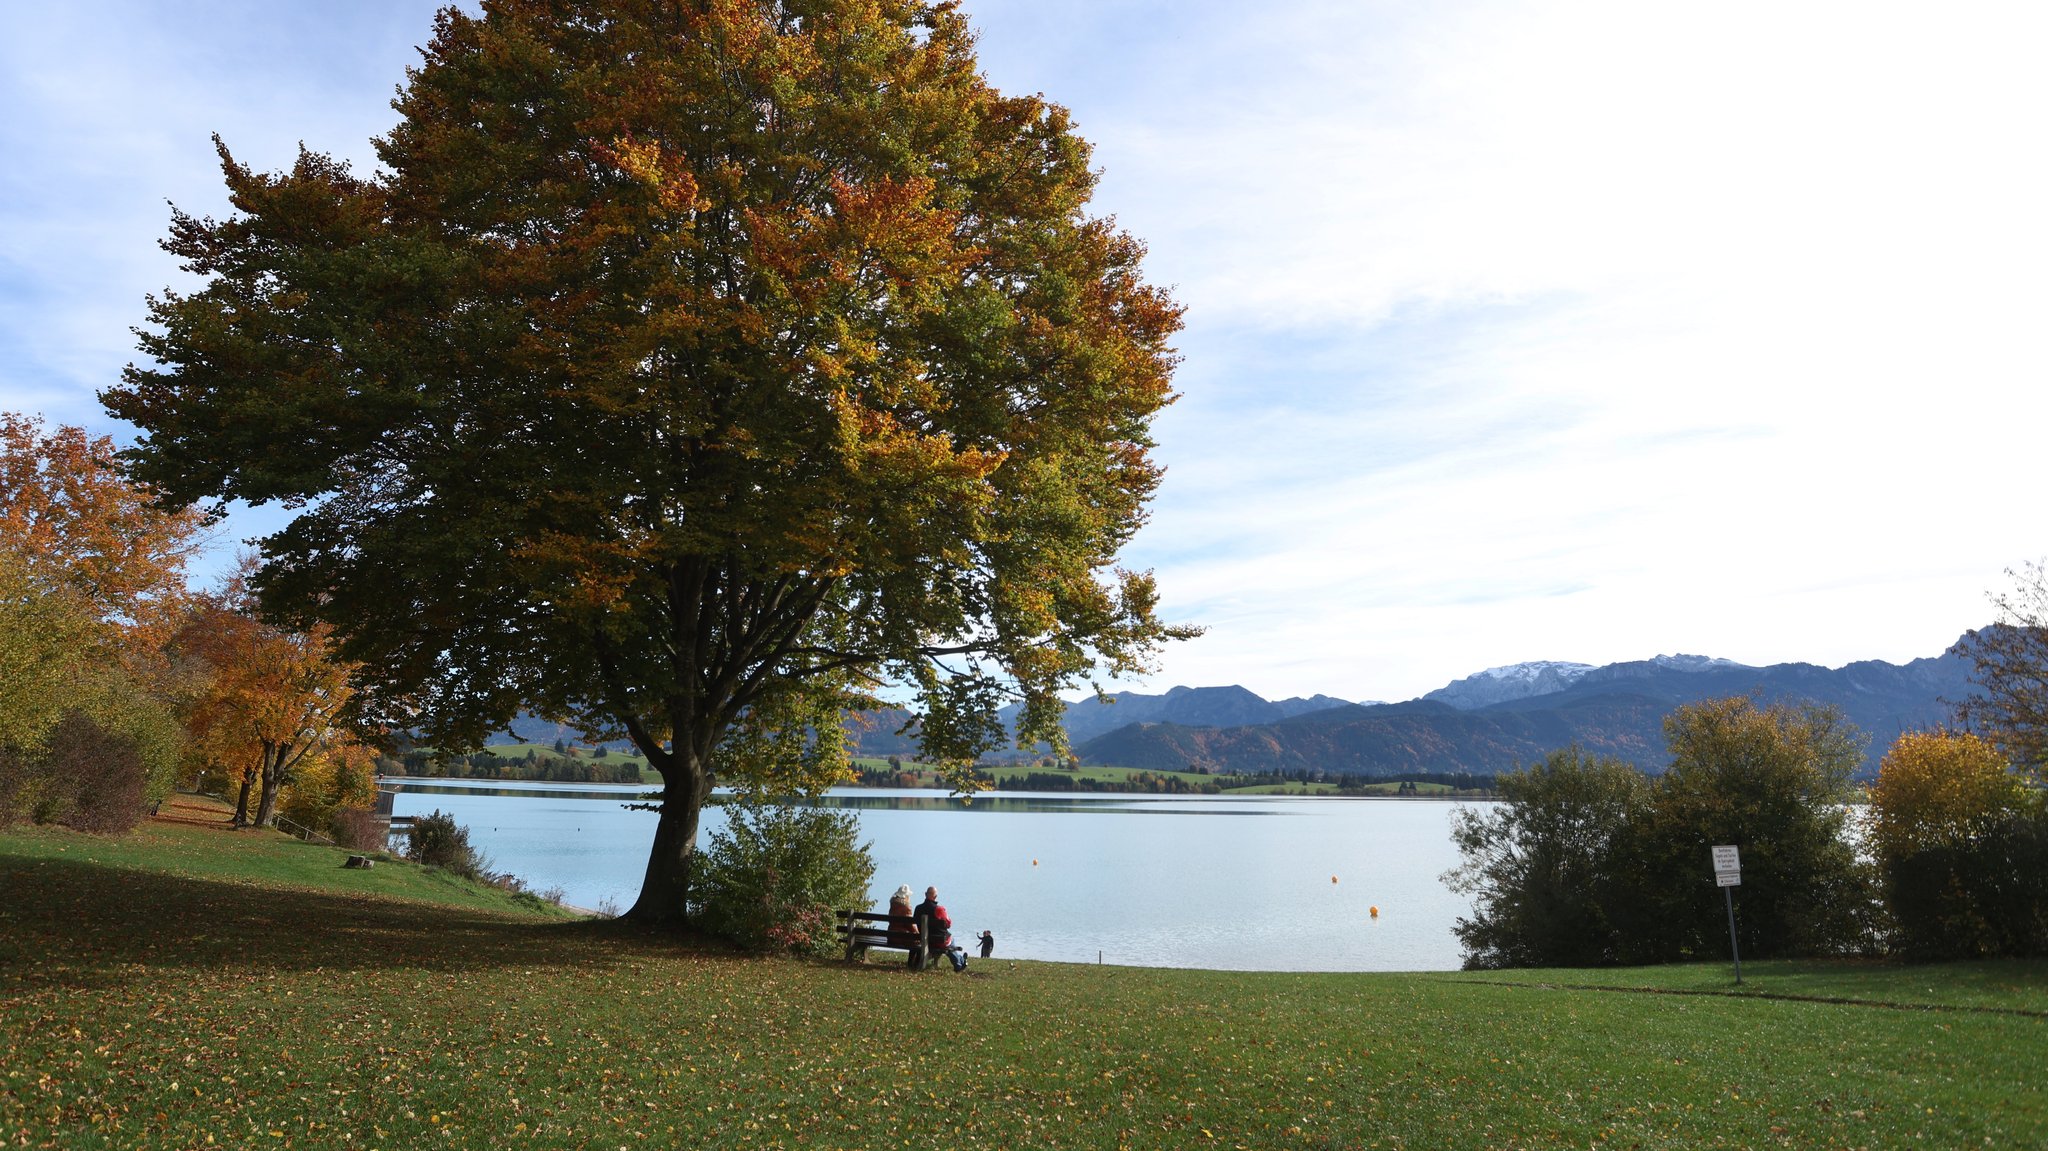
[
  {"x": 91, "y": 570},
  {"x": 83, "y": 739},
  {"x": 332, "y": 780},
  {"x": 1545, "y": 868},
  {"x": 46, "y": 636},
  {"x": 270, "y": 697},
  {"x": 1774, "y": 781},
  {"x": 1962, "y": 845},
  {"x": 772, "y": 878}
]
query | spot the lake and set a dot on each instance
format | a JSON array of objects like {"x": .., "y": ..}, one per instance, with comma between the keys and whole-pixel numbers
[{"x": 1257, "y": 883}]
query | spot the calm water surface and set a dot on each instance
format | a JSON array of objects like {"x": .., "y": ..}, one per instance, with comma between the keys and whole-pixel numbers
[{"x": 1239, "y": 884}]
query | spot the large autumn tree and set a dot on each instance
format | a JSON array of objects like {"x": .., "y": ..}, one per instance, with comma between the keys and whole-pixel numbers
[{"x": 689, "y": 369}]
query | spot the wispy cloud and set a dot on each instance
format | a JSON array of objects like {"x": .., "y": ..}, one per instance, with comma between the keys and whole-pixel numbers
[
  {"x": 1517, "y": 329},
  {"x": 1528, "y": 330}
]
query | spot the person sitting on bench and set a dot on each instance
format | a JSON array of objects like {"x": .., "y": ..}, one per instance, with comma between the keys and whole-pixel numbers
[{"x": 942, "y": 929}]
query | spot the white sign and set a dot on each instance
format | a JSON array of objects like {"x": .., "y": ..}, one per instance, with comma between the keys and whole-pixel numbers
[
  {"x": 1728, "y": 861},
  {"x": 1727, "y": 879}
]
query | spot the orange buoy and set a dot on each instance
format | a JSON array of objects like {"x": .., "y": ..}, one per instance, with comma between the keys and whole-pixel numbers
[
  {"x": 1333, "y": 879},
  {"x": 1374, "y": 911}
]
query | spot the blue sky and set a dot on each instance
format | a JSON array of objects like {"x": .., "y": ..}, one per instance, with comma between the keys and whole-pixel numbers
[{"x": 1516, "y": 331}]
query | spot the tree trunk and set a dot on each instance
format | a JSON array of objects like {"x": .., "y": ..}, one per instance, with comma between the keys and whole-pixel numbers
[
  {"x": 685, "y": 788},
  {"x": 242, "y": 803},
  {"x": 273, "y": 781}
]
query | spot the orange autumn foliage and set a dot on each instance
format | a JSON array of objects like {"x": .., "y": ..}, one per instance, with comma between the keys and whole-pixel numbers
[
  {"x": 79, "y": 521},
  {"x": 271, "y": 698},
  {"x": 1938, "y": 789}
]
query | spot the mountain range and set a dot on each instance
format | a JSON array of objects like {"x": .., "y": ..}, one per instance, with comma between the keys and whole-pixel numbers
[
  {"x": 1493, "y": 721},
  {"x": 1488, "y": 722}
]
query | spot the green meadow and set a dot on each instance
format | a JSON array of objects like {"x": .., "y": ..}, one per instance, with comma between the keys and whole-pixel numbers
[
  {"x": 189, "y": 987},
  {"x": 1014, "y": 775}
]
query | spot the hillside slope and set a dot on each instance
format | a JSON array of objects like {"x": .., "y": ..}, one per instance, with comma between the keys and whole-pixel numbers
[{"x": 1616, "y": 710}]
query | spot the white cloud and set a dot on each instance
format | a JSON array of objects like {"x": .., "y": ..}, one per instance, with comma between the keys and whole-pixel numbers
[
  {"x": 1538, "y": 330},
  {"x": 1518, "y": 329}
]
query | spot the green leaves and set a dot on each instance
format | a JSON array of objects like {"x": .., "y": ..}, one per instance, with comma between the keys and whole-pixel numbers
[
  {"x": 688, "y": 372},
  {"x": 1593, "y": 863}
]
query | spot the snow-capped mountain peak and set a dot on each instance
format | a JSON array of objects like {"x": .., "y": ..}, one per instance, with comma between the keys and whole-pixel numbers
[
  {"x": 1696, "y": 663},
  {"x": 1513, "y": 681},
  {"x": 1541, "y": 668}
]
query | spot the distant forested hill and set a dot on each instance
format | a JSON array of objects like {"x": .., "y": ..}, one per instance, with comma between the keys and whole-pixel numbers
[
  {"x": 1615, "y": 710},
  {"x": 876, "y": 732}
]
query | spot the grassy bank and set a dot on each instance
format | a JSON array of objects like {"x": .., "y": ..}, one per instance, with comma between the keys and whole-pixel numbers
[
  {"x": 189, "y": 838},
  {"x": 150, "y": 997},
  {"x": 1134, "y": 780}
]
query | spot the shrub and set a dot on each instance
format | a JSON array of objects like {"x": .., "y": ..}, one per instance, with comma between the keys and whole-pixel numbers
[
  {"x": 88, "y": 773},
  {"x": 357, "y": 828},
  {"x": 438, "y": 841},
  {"x": 1962, "y": 845},
  {"x": 773, "y": 877},
  {"x": 330, "y": 779},
  {"x": 1590, "y": 862},
  {"x": 1774, "y": 781},
  {"x": 1984, "y": 899},
  {"x": 538, "y": 900},
  {"x": 1547, "y": 868},
  {"x": 97, "y": 777}
]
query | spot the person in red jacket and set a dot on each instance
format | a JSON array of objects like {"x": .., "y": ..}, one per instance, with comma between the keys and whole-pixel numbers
[{"x": 942, "y": 929}]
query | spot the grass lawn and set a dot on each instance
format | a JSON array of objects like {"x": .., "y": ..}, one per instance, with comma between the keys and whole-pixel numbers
[
  {"x": 1012, "y": 775},
  {"x": 190, "y": 839},
  {"x": 189, "y": 988},
  {"x": 1016, "y": 772}
]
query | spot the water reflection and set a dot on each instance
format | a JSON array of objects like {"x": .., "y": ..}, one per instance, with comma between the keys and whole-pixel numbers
[
  {"x": 1014, "y": 802},
  {"x": 510, "y": 788},
  {"x": 1058, "y": 875}
]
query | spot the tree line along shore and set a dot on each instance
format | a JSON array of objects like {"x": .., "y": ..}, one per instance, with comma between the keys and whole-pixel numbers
[{"x": 563, "y": 762}]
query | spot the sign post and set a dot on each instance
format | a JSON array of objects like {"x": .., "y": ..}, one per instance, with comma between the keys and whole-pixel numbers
[{"x": 1728, "y": 874}]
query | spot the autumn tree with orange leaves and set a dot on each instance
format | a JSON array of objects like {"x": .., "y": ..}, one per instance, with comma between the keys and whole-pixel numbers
[
  {"x": 91, "y": 576},
  {"x": 688, "y": 371},
  {"x": 271, "y": 698},
  {"x": 77, "y": 521}
]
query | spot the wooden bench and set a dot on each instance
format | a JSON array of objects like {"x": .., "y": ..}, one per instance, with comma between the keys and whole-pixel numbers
[{"x": 864, "y": 931}]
